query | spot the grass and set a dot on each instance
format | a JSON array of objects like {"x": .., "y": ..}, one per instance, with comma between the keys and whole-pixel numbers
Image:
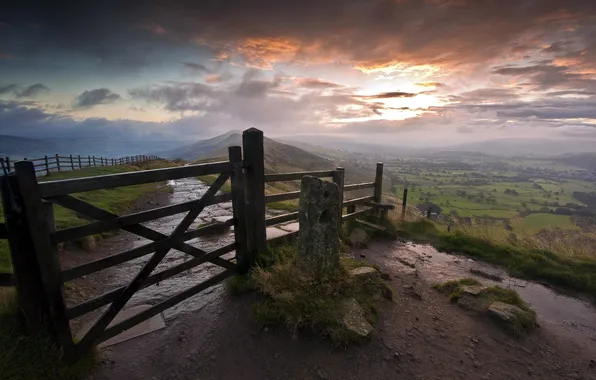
[
  {"x": 299, "y": 299},
  {"x": 289, "y": 206},
  {"x": 114, "y": 200},
  {"x": 536, "y": 222},
  {"x": 520, "y": 261},
  {"x": 523, "y": 322},
  {"x": 35, "y": 356}
]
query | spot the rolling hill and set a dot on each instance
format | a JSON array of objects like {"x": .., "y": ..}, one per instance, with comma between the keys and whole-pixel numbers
[{"x": 278, "y": 157}]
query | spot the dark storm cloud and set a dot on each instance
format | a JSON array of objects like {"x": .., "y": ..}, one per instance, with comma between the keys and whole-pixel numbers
[
  {"x": 436, "y": 32},
  {"x": 176, "y": 96},
  {"x": 27, "y": 92},
  {"x": 95, "y": 97},
  {"x": 33, "y": 91},
  {"x": 8, "y": 89},
  {"x": 546, "y": 76},
  {"x": 197, "y": 67},
  {"x": 316, "y": 83},
  {"x": 390, "y": 95}
]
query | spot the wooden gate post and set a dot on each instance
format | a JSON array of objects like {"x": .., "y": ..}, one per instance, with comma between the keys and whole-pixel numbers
[
  {"x": 404, "y": 201},
  {"x": 80, "y": 166},
  {"x": 338, "y": 179},
  {"x": 57, "y": 162},
  {"x": 30, "y": 291},
  {"x": 379, "y": 182},
  {"x": 47, "y": 256},
  {"x": 254, "y": 164},
  {"x": 239, "y": 209},
  {"x": 45, "y": 160},
  {"x": 71, "y": 163}
]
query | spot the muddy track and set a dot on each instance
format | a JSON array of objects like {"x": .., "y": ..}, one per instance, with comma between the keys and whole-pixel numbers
[{"x": 420, "y": 336}]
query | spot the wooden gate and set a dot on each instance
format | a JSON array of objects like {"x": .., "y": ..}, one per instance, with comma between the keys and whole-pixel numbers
[
  {"x": 37, "y": 200},
  {"x": 39, "y": 277}
]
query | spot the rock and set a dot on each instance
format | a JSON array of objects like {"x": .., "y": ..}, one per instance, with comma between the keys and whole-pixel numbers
[
  {"x": 504, "y": 311},
  {"x": 469, "y": 301},
  {"x": 322, "y": 374},
  {"x": 353, "y": 318},
  {"x": 319, "y": 213},
  {"x": 473, "y": 289},
  {"x": 362, "y": 271},
  {"x": 359, "y": 238}
]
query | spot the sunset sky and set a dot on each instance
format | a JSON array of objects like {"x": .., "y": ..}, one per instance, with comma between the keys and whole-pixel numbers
[{"x": 392, "y": 71}]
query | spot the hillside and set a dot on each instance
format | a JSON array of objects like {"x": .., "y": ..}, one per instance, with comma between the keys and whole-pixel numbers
[{"x": 278, "y": 157}]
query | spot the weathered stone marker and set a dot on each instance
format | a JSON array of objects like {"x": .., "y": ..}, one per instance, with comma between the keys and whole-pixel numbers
[{"x": 319, "y": 229}]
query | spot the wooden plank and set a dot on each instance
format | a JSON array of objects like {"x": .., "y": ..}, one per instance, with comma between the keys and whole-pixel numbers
[
  {"x": 357, "y": 213},
  {"x": 3, "y": 231},
  {"x": 7, "y": 279},
  {"x": 297, "y": 176},
  {"x": 359, "y": 186},
  {"x": 104, "y": 299},
  {"x": 239, "y": 209},
  {"x": 122, "y": 257},
  {"x": 282, "y": 196},
  {"x": 77, "y": 185},
  {"x": 108, "y": 261},
  {"x": 382, "y": 206},
  {"x": 254, "y": 164},
  {"x": 102, "y": 323},
  {"x": 47, "y": 256},
  {"x": 358, "y": 200},
  {"x": 281, "y": 218},
  {"x": 128, "y": 220},
  {"x": 97, "y": 213},
  {"x": 146, "y": 314},
  {"x": 371, "y": 225}
]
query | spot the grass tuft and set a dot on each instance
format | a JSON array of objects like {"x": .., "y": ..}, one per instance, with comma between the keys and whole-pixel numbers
[
  {"x": 522, "y": 323},
  {"x": 32, "y": 357},
  {"x": 298, "y": 299}
]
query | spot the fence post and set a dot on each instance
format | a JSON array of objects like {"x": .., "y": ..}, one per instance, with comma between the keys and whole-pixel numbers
[
  {"x": 80, "y": 166},
  {"x": 404, "y": 201},
  {"x": 45, "y": 160},
  {"x": 338, "y": 179},
  {"x": 94, "y": 165},
  {"x": 239, "y": 209},
  {"x": 379, "y": 182},
  {"x": 30, "y": 291},
  {"x": 71, "y": 163},
  {"x": 8, "y": 164},
  {"x": 57, "y": 162},
  {"x": 89, "y": 161},
  {"x": 254, "y": 164},
  {"x": 47, "y": 256}
]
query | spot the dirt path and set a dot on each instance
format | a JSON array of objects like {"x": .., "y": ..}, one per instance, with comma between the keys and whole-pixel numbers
[{"x": 420, "y": 336}]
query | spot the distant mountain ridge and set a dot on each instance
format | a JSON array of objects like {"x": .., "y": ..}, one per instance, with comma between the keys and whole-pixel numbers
[{"x": 278, "y": 157}]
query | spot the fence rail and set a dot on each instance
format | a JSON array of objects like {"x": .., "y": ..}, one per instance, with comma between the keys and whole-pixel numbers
[
  {"x": 56, "y": 163},
  {"x": 39, "y": 276}
]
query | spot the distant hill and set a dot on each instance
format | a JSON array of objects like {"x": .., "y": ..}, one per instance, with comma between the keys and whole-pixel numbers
[
  {"x": 582, "y": 160},
  {"x": 527, "y": 147},
  {"x": 278, "y": 157},
  {"x": 21, "y": 147}
]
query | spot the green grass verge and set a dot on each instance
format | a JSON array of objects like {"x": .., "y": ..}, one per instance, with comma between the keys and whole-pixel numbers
[
  {"x": 35, "y": 356},
  {"x": 289, "y": 206},
  {"x": 299, "y": 299},
  {"x": 114, "y": 200},
  {"x": 542, "y": 265}
]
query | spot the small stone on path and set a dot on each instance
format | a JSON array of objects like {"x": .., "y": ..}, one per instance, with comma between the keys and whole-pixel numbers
[
  {"x": 504, "y": 311},
  {"x": 362, "y": 271},
  {"x": 353, "y": 318}
]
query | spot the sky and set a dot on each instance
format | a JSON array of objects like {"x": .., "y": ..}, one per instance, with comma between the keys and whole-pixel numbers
[{"x": 392, "y": 71}]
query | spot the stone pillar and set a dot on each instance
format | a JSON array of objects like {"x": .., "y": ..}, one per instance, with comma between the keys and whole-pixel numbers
[{"x": 319, "y": 243}]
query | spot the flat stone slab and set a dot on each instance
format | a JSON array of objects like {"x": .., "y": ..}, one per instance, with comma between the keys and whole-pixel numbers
[
  {"x": 273, "y": 233},
  {"x": 473, "y": 289},
  {"x": 152, "y": 324},
  {"x": 360, "y": 271},
  {"x": 353, "y": 318},
  {"x": 504, "y": 311}
]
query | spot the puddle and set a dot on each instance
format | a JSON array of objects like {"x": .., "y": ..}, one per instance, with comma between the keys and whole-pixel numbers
[{"x": 564, "y": 314}]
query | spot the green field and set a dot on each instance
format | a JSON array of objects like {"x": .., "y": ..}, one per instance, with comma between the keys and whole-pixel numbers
[{"x": 503, "y": 190}]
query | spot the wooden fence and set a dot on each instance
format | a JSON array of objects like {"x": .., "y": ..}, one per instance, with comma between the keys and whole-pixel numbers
[
  {"x": 40, "y": 278},
  {"x": 56, "y": 163}
]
